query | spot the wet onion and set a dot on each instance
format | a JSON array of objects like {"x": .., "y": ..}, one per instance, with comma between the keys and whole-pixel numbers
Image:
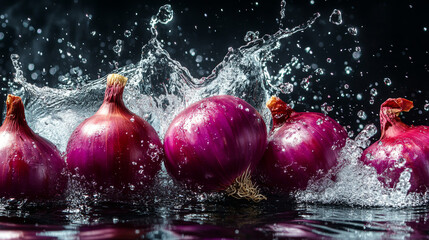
[
  {"x": 115, "y": 147},
  {"x": 301, "y": 146},
  {"x": 214, "y": 145},
  {"x": 30, "y": 166},
  {"x": 400, "y": 147}
]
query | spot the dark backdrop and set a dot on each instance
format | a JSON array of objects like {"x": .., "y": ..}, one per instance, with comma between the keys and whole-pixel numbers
[{"x": 391, "y": 34}]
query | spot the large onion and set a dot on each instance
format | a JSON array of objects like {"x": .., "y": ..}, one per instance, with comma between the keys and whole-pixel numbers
[
  {"x": 301, "y": 146},
  {"x": 115, "y": 147},
  {"x": 214, "y": 144},
  {"x": 30, "y": 166},
  {"x": 400, "y": 147}
]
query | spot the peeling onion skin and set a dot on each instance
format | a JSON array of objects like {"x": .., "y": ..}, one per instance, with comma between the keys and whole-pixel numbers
[
  {"x": 214, "y": 141},
  {"x": 301, "y": 146},
  {"x": 400, "y": 146},
  {"x": 115, "y": 147},
  {"x": 30, "y": 166}
]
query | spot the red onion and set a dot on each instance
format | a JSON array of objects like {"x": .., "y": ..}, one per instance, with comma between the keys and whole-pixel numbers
[
  {"x": 214, "y": 144},
  {"x": 301, "y": 146},
  {"x": 400, "y": 146},
  {"x": 30, "y": 166},
  {"x": 115, "y": 147}
]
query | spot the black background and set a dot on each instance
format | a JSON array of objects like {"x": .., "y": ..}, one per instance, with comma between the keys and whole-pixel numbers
[{"x": 390, "y": 33}]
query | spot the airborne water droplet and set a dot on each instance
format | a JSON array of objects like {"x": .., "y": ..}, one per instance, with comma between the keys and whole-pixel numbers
[
  {"x": 353, "y": 31},
  {"x": 362, "y": 115},
  {"x": 286, "y": 88},
  {"x": 336, "y": 17},
  {"x": 373, "y": 92},
  {"x": 118, "y": 47},
  {"x": 127, "y": 33},
  {"x": 426, "y": 107},
  {"x": 348, "y": 70},
  {"x": 387, "y": 81}
]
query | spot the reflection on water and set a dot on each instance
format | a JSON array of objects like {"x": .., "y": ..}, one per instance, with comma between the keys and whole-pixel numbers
[{"x": 223, "y": 218}]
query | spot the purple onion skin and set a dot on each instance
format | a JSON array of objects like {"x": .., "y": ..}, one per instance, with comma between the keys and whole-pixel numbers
[
  {"x": 400, "y": 146},
  {"x": 213, "y": 141},
  {"x": 301, "y": 146},
  {"x": 30, "y": 166},
  {"x": 115, "y": 147}
]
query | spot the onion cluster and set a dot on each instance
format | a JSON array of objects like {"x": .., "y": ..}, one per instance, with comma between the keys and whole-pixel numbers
[{"x": 217, "y": 144}]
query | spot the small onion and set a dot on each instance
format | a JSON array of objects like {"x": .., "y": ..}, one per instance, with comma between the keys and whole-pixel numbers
[
  {"x": 400, "y": 147},
  {"x": 30, "y": 166},
  {"x": 214, "y": 144},
  {"x": 301, "y": 146},
  {"x": 115, "y": 147}
]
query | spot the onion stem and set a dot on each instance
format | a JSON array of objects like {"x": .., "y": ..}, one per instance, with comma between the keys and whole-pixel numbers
[{"x": 243, "y": 187}]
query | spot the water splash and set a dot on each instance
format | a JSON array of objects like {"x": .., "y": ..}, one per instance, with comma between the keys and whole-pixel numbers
[
  {"x": 357, "y": 184},
  {"x": 164, "y": 16}
]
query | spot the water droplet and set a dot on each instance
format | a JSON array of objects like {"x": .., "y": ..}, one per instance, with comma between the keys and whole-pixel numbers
[
  {"x": 387, "y": 81},
  {"x": 356, "y": 55},
  {"x": 305, "y": 83},
  {"x": 336, "y": 17},
  {"x": 319, "y": 71},
  {"x": 286, "y": 88},
  {"x": 426, "y": 107},
  {"x": 400, "y": 162},
  {"x": 373, "y": 92},
  {"x": 359, "y": 96},
  {"x": 348, "y": 70},
  {"x": 362, "y": 115},
  {"x": 353, "y": 31},
  {"x": 192, "y": 51},
  {"x": 118, "y": 47},
  {"x": 326, "y": 108},
  {"x": 199, "y": 59},
  {"x": 127, "y": 33},
  {"x": 328, "y": 60}
]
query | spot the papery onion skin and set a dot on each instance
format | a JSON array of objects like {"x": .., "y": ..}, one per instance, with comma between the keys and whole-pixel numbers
[
  {"x": 214, "y": 141},
  {"x": 400, "y": 146},
  {"x": 301, "y": 146},
  {"x": 30, "y": 166},
  {"x": 115, "y": 147}
]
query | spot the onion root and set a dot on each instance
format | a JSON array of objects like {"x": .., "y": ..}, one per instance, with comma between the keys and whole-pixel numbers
[{"x": 243, "y": 187}]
